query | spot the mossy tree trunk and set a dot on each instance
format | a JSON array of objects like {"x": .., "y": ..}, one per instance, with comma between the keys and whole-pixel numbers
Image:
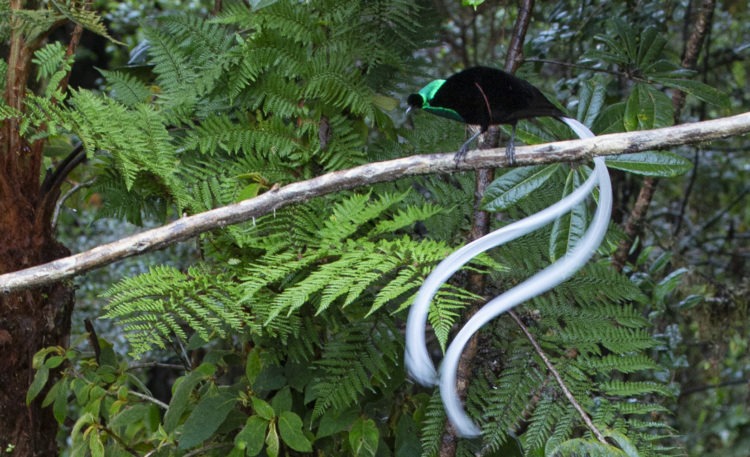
[{"x": 36, "y": 318}]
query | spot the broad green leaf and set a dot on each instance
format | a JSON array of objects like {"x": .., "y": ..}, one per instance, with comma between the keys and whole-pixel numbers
[
  {"x": 334, "y": 421},
  {"x": 282, "y": 401},
  {"x": 107, "y": 355},
  {"x": 647, "y": 108},
  {"x": 96, "y": 445},
  {"x": 610, "y": 120},
  {"x": 596, "y": 55},
  {"x": 180, "y": 398},
  {"x": 628, "y": 38},
  {"x": 263, "y": 409},
  {"x": 271, "y": 377},
  {"x": 86, "y": 418},
  {"x": 363, "y": 438},
  {"x": 617, "y": 53},
  {"x": 290, "y": 428},
  {"x": 54, "y": 361},
  {"x": 252, "y": 436},
  {"x": 660, "y": 263},
  {"x": 272, "y": 442},
  {"x": 81, "y": 389},
  {"x": 40, "y": 379},
  {"x": 407, "y": 438},
  {"x": 236, "y": 452},
  {"x": 39, "y": 357},
  {"x": 472, "y": 3},
  {"x": 130, "y": 415},
  {"x": 537, "y": 132},
  {"x": 516, "y": 184},
  {"x": 51, "y": 394},
  {"x": 651, "y": 44},
  {"x": 652, "y": 163},
  {"x": 384, "y": 102},
  {"x": 249, "y": 191},
  {"x": 690, "y": 301},
  {"x": 252, "y": 365},
  {"x": 625, "y": 444},
  {"x": 206, "y": 418},
  {"x": 60, "y": 407},
  {"x": 669, "y": 283},
  {"x": 568, "y": 229},
  {"x": 590, "y": 101},
  {"x": 697, "y": 89}
]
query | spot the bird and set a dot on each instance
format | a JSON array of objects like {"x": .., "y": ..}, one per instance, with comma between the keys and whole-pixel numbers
[{"x": 483, "y": 96}]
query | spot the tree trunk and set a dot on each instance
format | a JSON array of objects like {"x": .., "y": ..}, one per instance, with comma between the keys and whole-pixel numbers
[
  {"x": 36, "y": 318},
  {"x": 31, "y": 319}
]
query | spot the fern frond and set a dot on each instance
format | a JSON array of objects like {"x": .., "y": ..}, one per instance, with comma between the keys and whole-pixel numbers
[
  {"x": 353, "y": 362},
  {"x": 432, "y": 427},
  {"x": 155, "y": 306},
  {"x": 86, "y": 18},
  {"x": 32, "y": 23},
  {"x": 125, "y": 88},
  {"x": 173, "y": 69}
]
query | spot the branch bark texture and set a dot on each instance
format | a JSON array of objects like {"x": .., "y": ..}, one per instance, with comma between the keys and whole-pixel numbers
[{"x": 188, "y": 227}]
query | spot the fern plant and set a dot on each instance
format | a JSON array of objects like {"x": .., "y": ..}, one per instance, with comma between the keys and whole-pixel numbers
[{"x": 310, "y": 300}]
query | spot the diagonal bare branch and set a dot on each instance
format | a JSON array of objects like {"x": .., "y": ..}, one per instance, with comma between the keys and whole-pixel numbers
[
  {"x": 188, "y": 227},
  {"x": 568, "y": 394}
]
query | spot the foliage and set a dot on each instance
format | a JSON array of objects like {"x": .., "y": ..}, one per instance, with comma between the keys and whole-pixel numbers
[{"x": 285, "y": 337}]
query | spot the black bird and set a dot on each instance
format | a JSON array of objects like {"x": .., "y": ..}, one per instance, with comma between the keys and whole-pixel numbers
[{"x": 483, "y": 96}]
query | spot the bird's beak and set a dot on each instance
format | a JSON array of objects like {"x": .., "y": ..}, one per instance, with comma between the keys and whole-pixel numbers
[{"x": 408, "y": 110}]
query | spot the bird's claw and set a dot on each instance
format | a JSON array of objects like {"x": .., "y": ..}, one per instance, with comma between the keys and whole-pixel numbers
[
  {"x": 510, "y": 154},
  {"x": 460, "y": 155}
]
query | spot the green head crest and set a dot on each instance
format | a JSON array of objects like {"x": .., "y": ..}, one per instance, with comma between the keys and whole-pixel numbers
[
  {"x": 423, "y": 99},
  {"x": 427, "y": 94}
]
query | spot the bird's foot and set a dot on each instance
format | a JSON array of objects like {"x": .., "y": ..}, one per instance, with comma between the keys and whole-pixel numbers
[
  {"x": 461, "y": 154},
  {"x": 510, "y": 154}
]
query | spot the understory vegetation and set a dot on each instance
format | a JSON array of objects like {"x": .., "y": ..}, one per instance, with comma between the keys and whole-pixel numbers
[{"x": 284, "y": 335}]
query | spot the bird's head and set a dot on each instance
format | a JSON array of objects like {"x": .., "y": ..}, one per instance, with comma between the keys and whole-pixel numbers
[
  {"x": 415, "y": 101},
  {"x": 422, "y": 99}
]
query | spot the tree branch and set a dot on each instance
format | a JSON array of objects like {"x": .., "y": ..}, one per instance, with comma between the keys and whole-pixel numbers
[
  {"x": 188, "y": 227},
  {"x": 66, "y": 195},
  {"x": 153, "y": 400}
]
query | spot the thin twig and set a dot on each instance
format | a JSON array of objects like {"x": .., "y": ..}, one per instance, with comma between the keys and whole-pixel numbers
[
  {"x": 688, "y": 191},
  {"x": 561, "y": 63},
  {"x": 66, "y": 195},
  {"x": 153, "y": 400},
  {"x": 93, "y": 339},
  {"x": 207, "y": 448},
  {"x": 694, "y": 390},
  {"x": 172, "y": 366},
  {"x": 119, "y": 440},
  {"x": 713, "y": 219},
  {"x": 586, "y": 419}
]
